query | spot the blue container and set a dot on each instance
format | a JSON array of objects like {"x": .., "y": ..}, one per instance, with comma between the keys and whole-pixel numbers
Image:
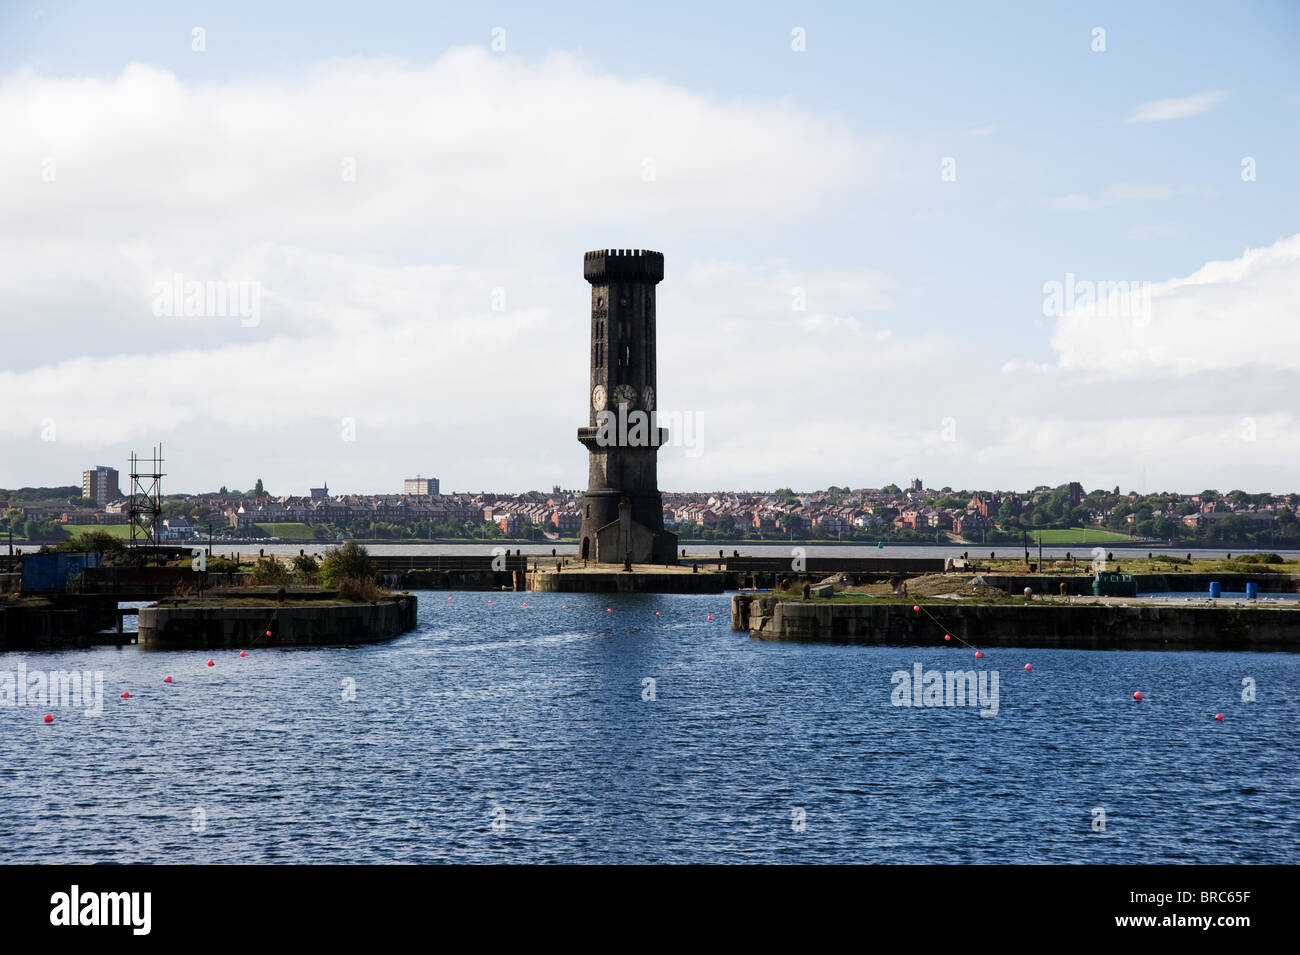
[
  {"x": 1215, "y": 589},
  {"x": 1252, "y": 591},
  {"x": 45, "y": 573}
]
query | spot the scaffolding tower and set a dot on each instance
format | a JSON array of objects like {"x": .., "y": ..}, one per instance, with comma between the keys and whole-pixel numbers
[{"x": 144, "y": 506}]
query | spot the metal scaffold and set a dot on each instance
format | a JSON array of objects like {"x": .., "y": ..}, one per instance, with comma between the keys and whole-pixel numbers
[{"x": 144, "y": 505}]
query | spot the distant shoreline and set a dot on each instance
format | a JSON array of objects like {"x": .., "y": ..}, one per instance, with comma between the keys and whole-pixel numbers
[{"x": 1134, "y": 544}]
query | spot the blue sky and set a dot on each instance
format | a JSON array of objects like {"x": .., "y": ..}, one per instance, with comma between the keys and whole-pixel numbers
[{"x": 925, "y": 294}]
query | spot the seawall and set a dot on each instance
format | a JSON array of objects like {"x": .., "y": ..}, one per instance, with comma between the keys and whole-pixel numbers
[
  {"x": 217, "y": 627},
  {"x": 61, "y": 620},
  {"x": 1040, "y": 624},
  {"x": 618, "y": 582}
]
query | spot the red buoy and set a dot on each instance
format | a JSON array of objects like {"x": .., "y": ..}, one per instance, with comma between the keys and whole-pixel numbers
[
  {"x": 211, "y": 664},
  {"x": 564, "y": 606},
  {"x": 916, "y": 608},
  {"x": 125, "y": 695},
  {"x": 1137, "y": 695},
  {"x": 268, "y": 633},
  {"x": 609, "y": 610},
  {"x": 167, "y": 679},
  {"x": 244, "y": 653},
  {"x": 525, "y": 603},
  {"x": 710, "y": 616},
  {"x": 979, "y": 655},
  {"x": 1029, "y": 666},
  {"x": 489, "y": 600},
  {"x": 656, "y": 613},
  {"x": 1219, "y": 717},
  {"x": 448, "y": 599},
  {"x": 947, "y": 637},
  {"x": 49, "y": 718}
]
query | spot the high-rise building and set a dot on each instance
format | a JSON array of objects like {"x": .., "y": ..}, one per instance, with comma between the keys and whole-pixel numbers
[
  {"x": 100, "y": 485},
  {"x": 1076, "y": 493},
  {"x": 622, "y": 511},
  {"x": 421, "y": 487}
]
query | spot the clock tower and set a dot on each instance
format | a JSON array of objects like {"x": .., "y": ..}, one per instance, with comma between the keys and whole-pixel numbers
[{"x": 622, "y": 511}]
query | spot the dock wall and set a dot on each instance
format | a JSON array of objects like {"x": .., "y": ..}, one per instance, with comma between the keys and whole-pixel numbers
[
  {"x": 189, "y": 628},
  {"x": 1058, "y": 625}
]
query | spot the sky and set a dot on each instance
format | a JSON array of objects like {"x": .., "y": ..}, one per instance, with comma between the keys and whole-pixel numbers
[{"x": 989, "y": 246}]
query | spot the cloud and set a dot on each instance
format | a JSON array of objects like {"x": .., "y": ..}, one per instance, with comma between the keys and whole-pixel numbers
[
  {"x": 1225, "y": 315},
  {"x": 430, "y": 377},
  {"x": 436, "y": 300},
  {"x": 358, "y": 150},
  {"x": 1178, "y": 108},
  {"x": 415, "y": 231}
]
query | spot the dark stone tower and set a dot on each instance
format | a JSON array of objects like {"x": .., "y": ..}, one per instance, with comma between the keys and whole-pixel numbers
[{"x": 622, "y": 511}]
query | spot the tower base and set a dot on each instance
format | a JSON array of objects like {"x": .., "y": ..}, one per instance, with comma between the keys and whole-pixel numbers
[{"x": 626, "y": 539}]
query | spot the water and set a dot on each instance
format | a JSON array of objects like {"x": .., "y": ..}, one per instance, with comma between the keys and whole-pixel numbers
[
  {"x": 534, "y": 717},
  {"x": 1083, "y": 552}
]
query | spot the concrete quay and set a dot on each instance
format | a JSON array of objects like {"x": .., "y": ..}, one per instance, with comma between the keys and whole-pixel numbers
[
  {"x": 240, "y": 624},
  {"x": 1114, "y": 624}
]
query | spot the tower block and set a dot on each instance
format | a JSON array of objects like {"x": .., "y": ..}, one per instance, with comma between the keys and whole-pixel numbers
[{"x": 622, "y": 511}]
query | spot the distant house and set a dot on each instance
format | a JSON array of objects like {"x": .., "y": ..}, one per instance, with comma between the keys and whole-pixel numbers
[
  {"x": 177, "y": 529},
  {"x": 566, "y": 522}
]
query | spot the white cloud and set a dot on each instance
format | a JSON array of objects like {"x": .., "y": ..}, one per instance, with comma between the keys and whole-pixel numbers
[
  {"x": 473, "y": 175},
  {"x": 1229, "y": 314},
  {"x": 1178, "y": 107},
  {"x": 471, "y": 142}
]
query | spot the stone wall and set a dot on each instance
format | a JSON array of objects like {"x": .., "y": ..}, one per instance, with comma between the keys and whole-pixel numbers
[
  {"x": 1075, "y": 626},
  {"x": 187, "y": 628}
]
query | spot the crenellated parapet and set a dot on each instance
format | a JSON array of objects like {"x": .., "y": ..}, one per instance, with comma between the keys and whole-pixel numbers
[{"x": 611, "y": 265}]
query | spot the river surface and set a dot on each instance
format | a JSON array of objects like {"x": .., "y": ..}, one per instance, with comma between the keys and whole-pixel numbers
[
  {"x": 1081, "y": 551},
  {"x": 497, "y": 732}
]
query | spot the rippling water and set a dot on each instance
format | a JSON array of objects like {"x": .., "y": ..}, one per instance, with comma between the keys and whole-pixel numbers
[{"x": 534, "y": 718}]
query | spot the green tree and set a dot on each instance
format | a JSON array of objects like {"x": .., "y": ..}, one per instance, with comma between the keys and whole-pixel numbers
[
  {"x": 270, "y": 572},
  {"x": 306, "y": 569},
  {"x": 94, "y": 542},
  {"x": 347, "y": 562}
]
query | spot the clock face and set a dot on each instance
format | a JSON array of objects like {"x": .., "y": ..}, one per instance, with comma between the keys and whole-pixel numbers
[
  {"x": 648, "y": 398},
  {"x": 598, "y": 397},
  {"x": 625, "y": 395}
]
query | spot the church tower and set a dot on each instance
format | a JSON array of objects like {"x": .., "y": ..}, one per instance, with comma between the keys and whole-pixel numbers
[{"x": 622, "y": 511}]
